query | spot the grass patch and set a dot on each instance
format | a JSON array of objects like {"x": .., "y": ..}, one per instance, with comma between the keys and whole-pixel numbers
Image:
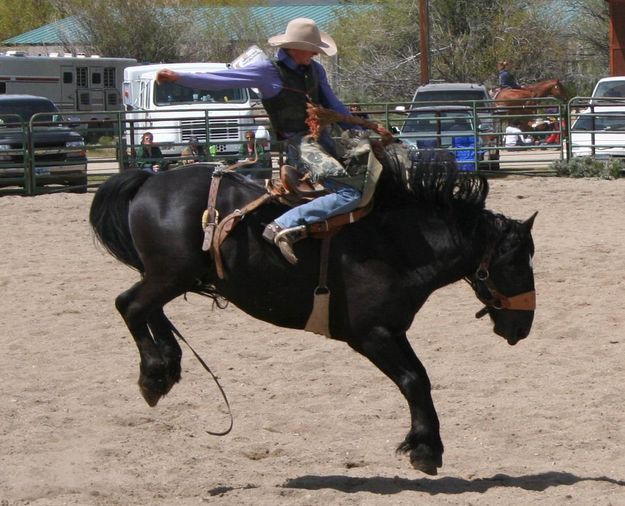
[{"x": 586, "y": 166}]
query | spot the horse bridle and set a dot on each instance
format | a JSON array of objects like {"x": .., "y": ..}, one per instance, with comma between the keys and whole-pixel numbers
[{"x": 494, "y": 299}]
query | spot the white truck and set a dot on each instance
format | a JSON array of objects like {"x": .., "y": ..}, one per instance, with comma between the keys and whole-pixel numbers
[{"x": 175, "y": 113}]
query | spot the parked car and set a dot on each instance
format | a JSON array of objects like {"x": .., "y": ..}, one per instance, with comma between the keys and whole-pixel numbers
[
  {"x": 599, "y": 131},
  {"x": 470, "y": 95},
  {"x": 445, "y": 127},
  {"x": 58, "y": 151}
]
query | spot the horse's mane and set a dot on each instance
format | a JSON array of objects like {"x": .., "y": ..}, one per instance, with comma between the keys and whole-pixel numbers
[{"x": 430, "y": 179}]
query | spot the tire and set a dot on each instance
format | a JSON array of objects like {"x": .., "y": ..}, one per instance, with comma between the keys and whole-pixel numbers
[{"x": 79, "y": 185}]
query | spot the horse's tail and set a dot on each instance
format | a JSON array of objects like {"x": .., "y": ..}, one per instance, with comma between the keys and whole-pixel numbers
[{"x": 109, "y": 215}]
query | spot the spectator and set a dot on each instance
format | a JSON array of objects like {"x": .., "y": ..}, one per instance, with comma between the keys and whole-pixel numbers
[
  {"x": 514, "y": 136},
  {"x": 253, "y": 151},
  {"x": 356, "y": 110},
  {"x": 148, "y": 155},
  {"x": 193, "y": 152},
  {"x": 554, "y": 137},
  {"x": 263, "y": 136}
]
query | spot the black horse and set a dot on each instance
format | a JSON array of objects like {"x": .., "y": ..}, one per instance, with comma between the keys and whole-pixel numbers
[{"x": 428, "y": 228}]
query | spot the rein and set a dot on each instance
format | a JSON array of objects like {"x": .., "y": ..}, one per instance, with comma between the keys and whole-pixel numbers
[
  {"x": 215, "y": 379},
  {"x": 525, "y": 301}
]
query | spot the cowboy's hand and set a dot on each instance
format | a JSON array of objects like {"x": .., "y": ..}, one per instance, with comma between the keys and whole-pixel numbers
[
  {"x": 386, "y": 135},
  {"x": 166, "y": 76}
]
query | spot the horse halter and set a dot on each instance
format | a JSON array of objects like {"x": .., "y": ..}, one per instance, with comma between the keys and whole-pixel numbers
[{"x": 488, "y": 294}]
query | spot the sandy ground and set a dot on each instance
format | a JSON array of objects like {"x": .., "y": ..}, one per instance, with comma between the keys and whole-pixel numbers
[{"x": 539, "y": 423}]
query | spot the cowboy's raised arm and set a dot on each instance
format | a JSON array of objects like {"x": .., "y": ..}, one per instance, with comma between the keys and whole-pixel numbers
[{"x": 260, "y": 75}]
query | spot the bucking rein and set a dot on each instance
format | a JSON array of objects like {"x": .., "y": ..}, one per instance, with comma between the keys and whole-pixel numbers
[{"x": 292, "y": 189}]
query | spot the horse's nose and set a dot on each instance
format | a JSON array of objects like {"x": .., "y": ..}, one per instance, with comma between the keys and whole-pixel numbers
[{"x": 518, "y": 334}]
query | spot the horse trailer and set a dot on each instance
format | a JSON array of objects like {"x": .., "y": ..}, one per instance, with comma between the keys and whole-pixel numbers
[
  {"x": 174, "y": 113},
  {"x": 90, "y": 86}
]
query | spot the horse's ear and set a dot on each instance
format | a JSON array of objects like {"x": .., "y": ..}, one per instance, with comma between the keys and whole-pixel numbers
[{"x": 529, "y": 223}]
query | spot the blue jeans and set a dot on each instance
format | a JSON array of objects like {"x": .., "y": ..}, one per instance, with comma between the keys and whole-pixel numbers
[{"x": 343, "y": 199}]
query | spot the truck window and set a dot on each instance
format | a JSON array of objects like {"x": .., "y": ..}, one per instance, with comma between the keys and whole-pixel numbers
[
  {"x": 143, "y": 95},
  {"x": 614, "y": 122},
  {"x": 610, "y": 89},
  {"x": 173, "y": 94},
  {"x": 449, "y": 96},
  {"x": 68, "y": 78},
  {"x": 26, "y": 109}
]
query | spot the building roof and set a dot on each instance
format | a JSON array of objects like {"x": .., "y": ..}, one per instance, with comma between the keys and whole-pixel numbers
[{"x": 273, "y": 19}]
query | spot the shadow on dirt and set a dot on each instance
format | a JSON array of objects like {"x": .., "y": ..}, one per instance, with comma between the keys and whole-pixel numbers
[{"x": 449, "y": 485}]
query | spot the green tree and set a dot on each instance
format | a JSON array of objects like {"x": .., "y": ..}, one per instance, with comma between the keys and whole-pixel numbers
[
  {"x": 125, "y": 28},
  {"x": 587, "y": 23},
  {"x": 165, "y": 31},
  {"x": 467, "y": 39},
  {"x": 17, "y": 17}
]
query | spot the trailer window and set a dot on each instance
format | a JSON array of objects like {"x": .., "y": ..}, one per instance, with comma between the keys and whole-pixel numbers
[
  {"x": 3, "y": 87},
  {"x": 96, "y": 78},
  {"x": 68, "y": 78},
  {"x": 109, "y": 77},
  {"x": 81, "y": 77}
]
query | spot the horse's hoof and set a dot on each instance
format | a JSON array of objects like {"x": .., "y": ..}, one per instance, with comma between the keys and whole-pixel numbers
[
  {"x": 426, "y": 460},
  {"x": 150, "y": 397},
  {"x": 424, "y": 465}
]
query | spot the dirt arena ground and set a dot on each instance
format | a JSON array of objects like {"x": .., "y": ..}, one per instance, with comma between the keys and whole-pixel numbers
[{"x": 542, "y": 422}]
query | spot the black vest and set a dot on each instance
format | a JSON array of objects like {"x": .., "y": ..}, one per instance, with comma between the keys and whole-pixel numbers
[{"x": 287, "y": 110}]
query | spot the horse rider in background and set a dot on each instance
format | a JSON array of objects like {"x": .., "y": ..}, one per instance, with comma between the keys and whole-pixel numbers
[
  {"x": 287, "y": 83},
  {"x": 506, "y": 79}
]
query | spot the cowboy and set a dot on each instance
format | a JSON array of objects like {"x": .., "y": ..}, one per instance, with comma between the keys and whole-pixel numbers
[{"x": 287, "y": 83}]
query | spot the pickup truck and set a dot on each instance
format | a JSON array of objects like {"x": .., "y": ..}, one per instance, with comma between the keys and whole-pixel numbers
[
  {"x": 468, "y": 95},
  {"x": 55, "y": 152},
  {"x": 450, "y": 127}
]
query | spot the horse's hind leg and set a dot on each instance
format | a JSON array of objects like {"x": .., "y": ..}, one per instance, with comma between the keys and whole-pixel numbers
[
  {"x": 161, "y": 329},
  {"x": 140, "y": 306},
  {"x": 394, "y": 356}
]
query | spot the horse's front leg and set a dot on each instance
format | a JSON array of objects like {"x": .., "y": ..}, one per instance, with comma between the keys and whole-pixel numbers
[{"x": 394, "y": 356}]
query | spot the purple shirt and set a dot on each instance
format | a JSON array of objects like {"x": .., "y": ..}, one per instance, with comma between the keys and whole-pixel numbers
[{"x": 263, "y": 76}]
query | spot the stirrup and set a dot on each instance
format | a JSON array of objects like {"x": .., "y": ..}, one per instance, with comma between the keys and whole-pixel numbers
[{"x": 285, "y": 240}]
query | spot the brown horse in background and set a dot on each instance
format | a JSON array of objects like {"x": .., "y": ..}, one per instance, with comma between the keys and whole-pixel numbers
[
  {"x": 520, "y": 101},
  {"x": 514, "y": 96}
]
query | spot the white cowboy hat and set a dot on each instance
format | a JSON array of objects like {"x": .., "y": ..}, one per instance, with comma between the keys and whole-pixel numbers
[{"x": 304, "y": 34}]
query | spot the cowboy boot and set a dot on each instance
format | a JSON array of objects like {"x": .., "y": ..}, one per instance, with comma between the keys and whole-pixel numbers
[{"x": 285, "y": 239}]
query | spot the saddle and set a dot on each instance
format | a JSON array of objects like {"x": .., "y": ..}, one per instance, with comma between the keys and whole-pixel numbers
[{"x": 293, "y": 188}]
